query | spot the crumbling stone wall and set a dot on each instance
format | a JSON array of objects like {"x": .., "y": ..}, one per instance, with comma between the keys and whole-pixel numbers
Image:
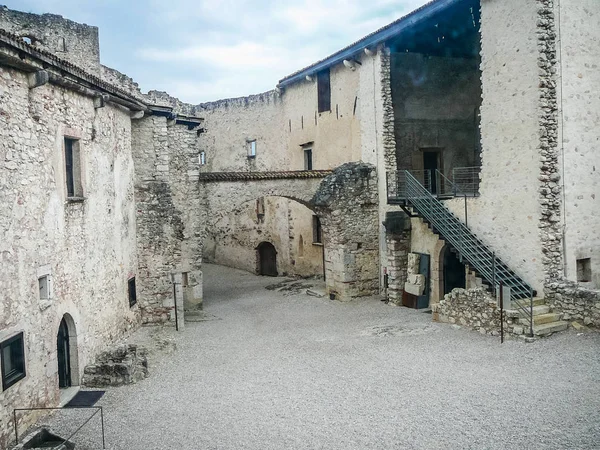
[
  {"x": 347, "y": 203},
  {"x": 575, "y": 302},
  {"x": 125, "y": 364},
  {"x": 475, "y": 309},
  {"x": 77, "y": 43},
  {"x": 170, "y": 222}
]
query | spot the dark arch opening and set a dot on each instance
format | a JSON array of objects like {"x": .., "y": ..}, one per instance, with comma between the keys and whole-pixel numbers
[
  {"x": 67, "y": 355},
  {"x": 267, "y": 259},
  {"x": 454, "y": 271}
]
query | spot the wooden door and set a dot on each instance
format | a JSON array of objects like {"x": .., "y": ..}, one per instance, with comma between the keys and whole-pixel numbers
[
  {"x": 63, "y": 352},
  {"x": 267, "y": 259}
]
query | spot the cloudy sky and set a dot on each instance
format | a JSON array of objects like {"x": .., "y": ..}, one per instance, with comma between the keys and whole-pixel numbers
[{"x": 201, "y": 50}]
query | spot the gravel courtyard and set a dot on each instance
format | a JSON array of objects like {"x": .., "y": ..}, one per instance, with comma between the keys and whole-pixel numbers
[{"x": 278, "y": 371}]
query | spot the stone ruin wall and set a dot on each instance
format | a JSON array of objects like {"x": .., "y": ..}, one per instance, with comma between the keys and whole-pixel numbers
[
  {"x": 88, "y": 260},
  {"x": 170, "y": 216},
  {"x": 75, "y": 42}
]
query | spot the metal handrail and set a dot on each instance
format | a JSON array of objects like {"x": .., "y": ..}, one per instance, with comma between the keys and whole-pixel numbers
[
  {"x": 97, "y": 408},
  {"x": 469, "y": 247}
]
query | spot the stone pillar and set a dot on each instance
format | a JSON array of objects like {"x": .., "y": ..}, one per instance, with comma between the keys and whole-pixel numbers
[
  {"x": 192, "y": 290},
  {"x": 398, "y": 247},
  {"x": 346, "y": 203}
]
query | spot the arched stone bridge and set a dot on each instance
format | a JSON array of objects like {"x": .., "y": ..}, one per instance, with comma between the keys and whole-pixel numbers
[{"x": 345, "y": 200}]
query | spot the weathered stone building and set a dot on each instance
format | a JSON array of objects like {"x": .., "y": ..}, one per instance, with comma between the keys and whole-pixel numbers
[{"x": 454, "y": 148}]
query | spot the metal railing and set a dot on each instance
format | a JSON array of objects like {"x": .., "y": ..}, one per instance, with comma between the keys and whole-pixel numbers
[
  {"x": 466, "y": 179},
  {"x": 98, "y": 409},
  {"x": 479, "y": 257},
  {"x": 464, "y": 183}
]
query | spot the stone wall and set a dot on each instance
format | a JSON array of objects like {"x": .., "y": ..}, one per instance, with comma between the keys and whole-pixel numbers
[
  {"x": 77, "y": 43},
  {"x": 85, "y": 246},
  {"x": 125, "y": 364},
  {"x": 347, "y": 204},
  {"x": 477, "y": 310},
  {"x": 509, "y": 190},
  {"x": 575, "y": 302},
  {"x": 285, "y": 223},
  {"x": 170, "y": 220},
  {"x": 577, "y": 83}
]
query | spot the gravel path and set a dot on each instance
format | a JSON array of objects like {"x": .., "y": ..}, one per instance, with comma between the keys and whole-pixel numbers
[{"x": 299, "y": 372}]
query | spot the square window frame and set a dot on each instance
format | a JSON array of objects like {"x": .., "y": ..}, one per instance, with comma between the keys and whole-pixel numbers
[{"x": 7, "y": 383}]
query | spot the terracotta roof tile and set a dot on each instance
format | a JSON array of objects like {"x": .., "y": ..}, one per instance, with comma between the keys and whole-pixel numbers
[{"x": 254, "y": 176}]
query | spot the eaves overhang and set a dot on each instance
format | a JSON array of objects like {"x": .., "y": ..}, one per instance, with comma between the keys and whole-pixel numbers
[{"x": 372, "y": 40}]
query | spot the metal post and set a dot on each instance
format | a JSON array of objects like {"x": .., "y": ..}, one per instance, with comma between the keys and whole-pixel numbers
[
  {"x": 501, "y": 313},
  {"x": 531, "y": 312},
  {"x": 102, "y": 421},
  {"x": 175, "y": 303},
  {"x": 16, "y": 431},
  {"x": 494, "y": 273},
  {"x": 466, "y": 214}
]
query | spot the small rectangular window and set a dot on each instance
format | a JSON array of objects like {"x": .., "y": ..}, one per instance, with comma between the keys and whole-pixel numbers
[
  {"x": 324, "y": 91},
  {"x": 12, "y": 355},
  {"x": 308, "y": 163},
  {"x": 132, "y": 293},
  {"x": 44, "y": 285},
  {"x": 202, "y": 158},
  {"x": 252, "y": 149},
  {"x": 73, "y": 168},
  {"x": 317, "y": 231},
  {"x": 584, "y": 270}
]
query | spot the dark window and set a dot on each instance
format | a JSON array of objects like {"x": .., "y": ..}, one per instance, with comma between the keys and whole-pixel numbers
[
  {"x": 132, "y": 294},
  {"x": 12, "y": 352},
  {"x": 72, "y": 168},
  {"x": 69, "y": 167},
  {"x": 308, "y": 159},
  {"x": 324, "y": 90},
  {"x": 317, "y": 231}
]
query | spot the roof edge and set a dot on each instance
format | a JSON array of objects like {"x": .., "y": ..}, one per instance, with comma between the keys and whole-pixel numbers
[{"x": 372, "y": 40}]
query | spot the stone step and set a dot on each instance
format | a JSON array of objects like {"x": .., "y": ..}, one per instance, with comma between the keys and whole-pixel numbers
[
  {"x": 543, "y": 318},
  {"x": 546, "y": 329},
  {"x": 537, "y": 311}
]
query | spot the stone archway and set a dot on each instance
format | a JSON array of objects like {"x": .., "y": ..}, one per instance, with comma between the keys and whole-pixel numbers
[{"x": 67, "y": 353}]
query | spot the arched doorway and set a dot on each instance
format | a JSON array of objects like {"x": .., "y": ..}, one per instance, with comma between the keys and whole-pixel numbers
[
  {"x": 66, "y": 352},
  {"x": 454, "y": 271},
  {"x": 267, "y": 259}
]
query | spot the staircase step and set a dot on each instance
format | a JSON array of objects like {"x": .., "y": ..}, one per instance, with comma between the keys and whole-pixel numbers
[
  {"x": 537, "y": 310},
  {"x": 543, "y": 318},
  {"x": 549, "y": 328}
]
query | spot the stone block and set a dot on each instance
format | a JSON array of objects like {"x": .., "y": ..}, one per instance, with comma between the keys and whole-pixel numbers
[
  {"x": 416, "y": 279},
  {"x": 414, "y": 289}
]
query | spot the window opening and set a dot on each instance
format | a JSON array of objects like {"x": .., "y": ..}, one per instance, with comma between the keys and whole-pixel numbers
[
  {"x": 202, "y": 158},
  {"x": 12, "y": 353},
  {"x": 132, "y": 292},
  {"x": 72, "y": 167},
  {"x": 62, "y": 45},
  {"x": 317, "y": 231},
  {"x": 260, "y": 209},
  {"x": 584, "y": 270},
  {"x": 324, "y": 91},
  {"x": 308, "y": 162},
  {"x": 252, "y": 149},
  {"x": 44, "y": 285}
]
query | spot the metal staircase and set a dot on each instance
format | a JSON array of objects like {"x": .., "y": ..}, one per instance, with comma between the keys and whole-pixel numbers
[{"x": 470, "y": 249}]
